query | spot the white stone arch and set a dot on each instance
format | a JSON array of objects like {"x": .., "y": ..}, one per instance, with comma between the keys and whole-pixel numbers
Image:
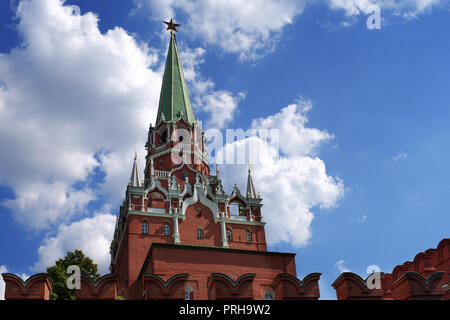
[
  {"x": 181, "y": 166},
  {"x": 199, "y": 195},
  {"x": 236, "y": 196},
  {"x": 156, "y": 186}
]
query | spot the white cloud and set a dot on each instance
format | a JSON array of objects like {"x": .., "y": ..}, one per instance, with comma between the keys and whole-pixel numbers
[
  {"x": 3, "y": 269},
  {"x": 291, "y": 183},
  {"x": 327, "y": 292},
  {"x": 296, "y": 137},
  {"x": 40, "y": 204},
  {"x": 248, "y": 28},
  {"x": 251, "y": 29},
  {"x": 24, "y": 276},
  {"x": 219, "y": 105},
  {"x": 90, "y": 235},
  {"x": 70, "y": 96},
  {"x": 400, "y": 156},
  {"x": 341, "y": 267},
  {"x": 291, "y": 187},
  {"x": 117, "y": 166},
  {"x": 75, "y": 101},
  {"x": 362, "y": 219}
]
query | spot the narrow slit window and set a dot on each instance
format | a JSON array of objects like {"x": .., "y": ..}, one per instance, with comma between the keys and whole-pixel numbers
[
  {"x": 166, "y": 230},
  {"x": 144, "y": 228},
  {"x": 249, "y": 236},
  {"x": 229, "y": 235}
]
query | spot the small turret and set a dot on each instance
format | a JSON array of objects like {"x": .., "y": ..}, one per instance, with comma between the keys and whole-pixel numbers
[
  {"x": 135, "y": 179},
  {"x": 251, "y": 193}
]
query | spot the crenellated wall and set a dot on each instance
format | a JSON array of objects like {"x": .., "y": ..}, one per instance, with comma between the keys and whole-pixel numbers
[
  {"x": 106, "y": 288},
  {"x": 208, "y": 286},
  {"x": 36, "y": 287},
  {"x": 220, "y": 286},
  {"x": 427, "y": 277},
  {"x": 222, "y": 273}
]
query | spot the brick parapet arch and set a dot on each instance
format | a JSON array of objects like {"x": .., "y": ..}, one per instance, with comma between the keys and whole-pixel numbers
[
  {"x": 222, "y": 286},
  {"x": 105, "y": 288},
  {"x": 287, "y": 286},
  {"x": 413, "y": 285},
  {"x": 166, "y": 289},
  {"x": 37, "y": 287},
  {"x": 350, "y": 286}
]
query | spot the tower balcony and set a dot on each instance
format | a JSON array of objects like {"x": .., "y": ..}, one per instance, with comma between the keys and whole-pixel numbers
[
  {"x": 160, "y": 174},
  {"x": 238, "y": 218}
]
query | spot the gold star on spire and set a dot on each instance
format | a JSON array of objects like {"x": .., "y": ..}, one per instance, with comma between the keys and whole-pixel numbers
[{"x": 172, "y": 26}]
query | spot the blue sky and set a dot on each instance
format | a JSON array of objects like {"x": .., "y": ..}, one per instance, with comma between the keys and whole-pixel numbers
[{"x": 372, "y": 105}]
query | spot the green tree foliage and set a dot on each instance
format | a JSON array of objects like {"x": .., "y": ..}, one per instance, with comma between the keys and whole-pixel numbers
[{"x": 58, "y": 274}]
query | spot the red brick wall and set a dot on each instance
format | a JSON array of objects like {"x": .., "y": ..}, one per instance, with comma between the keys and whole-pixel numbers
[
  {"x": 199, "y": 264},
  {"x": 423, "y": 278},
  {"x": 239, "y": 237},
  {"x": 198, "y": 215},
  {"x": 106, "y": 288},
  {"x": 36, "y": 287}
]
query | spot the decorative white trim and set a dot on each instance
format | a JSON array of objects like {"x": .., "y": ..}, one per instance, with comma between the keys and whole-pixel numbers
[
  {"x": 158, "y": 154},
  {"x": 224, "y": 233},
  {"x": 246, "y": 222},
  {"x": 176, "y": 234},
  {"x": 199, "y": 195},
  {"x": 239, "y": 218},
  {"x": 149, "y": 214},
  {"x": 156, "y": 185},
  {"x": 181, "y": 166},
  {"x": 187, "y": 189},
  {"x": 209, "y": 192},
  {"x": 173, "y": 185},
  {"x": 236, "y": 193},
  {"x": 161, "y": 174}
]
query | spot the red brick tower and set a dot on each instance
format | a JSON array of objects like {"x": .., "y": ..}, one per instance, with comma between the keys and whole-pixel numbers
[{"x": 179, "y": 234}]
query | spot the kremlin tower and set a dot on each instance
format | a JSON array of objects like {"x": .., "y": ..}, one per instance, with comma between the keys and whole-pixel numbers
[{"x": 179, "y": 233}]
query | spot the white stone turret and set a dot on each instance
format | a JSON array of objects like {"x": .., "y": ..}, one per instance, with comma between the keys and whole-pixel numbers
[{"x": 135, "y": 179}]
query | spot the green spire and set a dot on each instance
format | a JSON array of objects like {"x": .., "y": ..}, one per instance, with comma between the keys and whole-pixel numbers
[{"x": 174, "y": 94}]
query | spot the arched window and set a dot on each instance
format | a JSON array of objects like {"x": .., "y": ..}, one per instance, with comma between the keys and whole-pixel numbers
[
  {"x": 166, "y": 230},
  {"x": 199, "y": 233},
  {"x": 188, "y": 293},
  {"x": 145, "y": 228},
  {"x": 229, "y": 235},
  {"x": 249, "y": 236},
  {"x": 269, "y": 295}
]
